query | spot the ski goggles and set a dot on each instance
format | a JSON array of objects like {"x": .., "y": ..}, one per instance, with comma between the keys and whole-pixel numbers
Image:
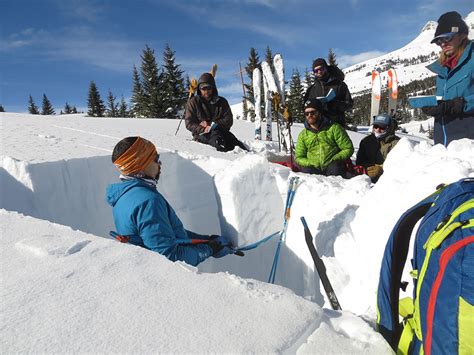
[
  {"x": 379, "y": 127},
  {"x": 443, "y": 39},
  {"x": 205, "y": 87}
]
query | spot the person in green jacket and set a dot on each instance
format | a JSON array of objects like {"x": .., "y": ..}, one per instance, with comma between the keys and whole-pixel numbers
[{"x": 323, "y": 146}]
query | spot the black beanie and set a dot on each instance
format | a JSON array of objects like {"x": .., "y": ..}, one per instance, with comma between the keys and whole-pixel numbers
[
  {"x": 450, "y": 22},
  {"x": 314, "y": 103},
  {"x": 318, "y": 62}
]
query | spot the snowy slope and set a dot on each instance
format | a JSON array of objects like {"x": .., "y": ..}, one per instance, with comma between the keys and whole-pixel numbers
[
  {"x": 66, "y": 287},
  {"x": 420, "y": 50}
]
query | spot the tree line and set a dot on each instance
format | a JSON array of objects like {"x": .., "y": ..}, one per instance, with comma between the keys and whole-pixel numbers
[
  {"x": 161, "y": 91},
  {"x": 157, "y": 91}
]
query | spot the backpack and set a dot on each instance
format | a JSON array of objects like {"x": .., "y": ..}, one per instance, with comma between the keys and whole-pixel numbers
[{"x": 440, "y": 317}]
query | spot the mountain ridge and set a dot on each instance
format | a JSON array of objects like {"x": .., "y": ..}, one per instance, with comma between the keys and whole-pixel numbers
[{"x": 409, "y": 61}]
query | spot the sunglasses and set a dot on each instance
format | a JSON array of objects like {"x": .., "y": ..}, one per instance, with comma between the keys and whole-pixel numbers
[
  {"x": 310, "y": 113},
  {"x": 319, "y": 69},
  {"x": 444, "y": 40},
  {"x": 205, "y": 88},
  {"x": 379, "y": 127}
]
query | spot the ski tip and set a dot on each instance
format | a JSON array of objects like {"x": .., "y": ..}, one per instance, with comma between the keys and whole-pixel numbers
[
  {"x": 214, "y": 70},
  {"x": 303, "y": 220}
]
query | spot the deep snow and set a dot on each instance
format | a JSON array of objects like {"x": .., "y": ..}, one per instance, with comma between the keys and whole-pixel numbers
[{"x": 66, "y": 287}]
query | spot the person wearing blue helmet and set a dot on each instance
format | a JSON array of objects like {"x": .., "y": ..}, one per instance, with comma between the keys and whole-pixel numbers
[{"x": 373, "y": 149}]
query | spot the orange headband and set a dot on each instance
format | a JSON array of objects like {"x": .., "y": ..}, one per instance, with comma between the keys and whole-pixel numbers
[{"x": 137, "y": 157}]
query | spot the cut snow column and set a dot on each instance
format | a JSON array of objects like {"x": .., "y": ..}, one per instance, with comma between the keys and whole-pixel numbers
[{"x": 251, "y": 203}]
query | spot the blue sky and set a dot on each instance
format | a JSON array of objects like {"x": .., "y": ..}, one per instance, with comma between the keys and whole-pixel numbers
[{"x": 57, "y": 47}]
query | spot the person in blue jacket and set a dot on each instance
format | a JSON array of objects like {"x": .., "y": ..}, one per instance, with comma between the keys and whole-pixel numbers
[
  {"x": 142, "y": 215},
  {"x": 454, "y": 114}
]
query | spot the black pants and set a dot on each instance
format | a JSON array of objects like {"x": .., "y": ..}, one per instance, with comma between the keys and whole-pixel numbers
[
  {"x": 220, "y": 139},
  {"x": 336, "y": 168}
]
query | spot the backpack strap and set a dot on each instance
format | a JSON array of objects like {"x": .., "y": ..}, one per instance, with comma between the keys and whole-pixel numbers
[
  {"x": 393, "y": 262},
  {"x": 441, "y": 232}
]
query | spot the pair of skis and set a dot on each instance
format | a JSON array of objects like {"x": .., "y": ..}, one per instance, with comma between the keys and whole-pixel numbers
[
  {"x": 392, "y": 86},
  {"x": 274, "y": 98}
]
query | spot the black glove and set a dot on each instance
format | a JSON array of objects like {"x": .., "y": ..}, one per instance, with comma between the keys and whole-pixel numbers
[
  {"x": 220, "y": 246},
  {"x": 453, "y": 107}
]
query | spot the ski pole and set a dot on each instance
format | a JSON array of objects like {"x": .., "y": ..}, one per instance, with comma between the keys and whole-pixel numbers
[
  {"x": 319, "y": 264},
  {"x": 192, "y": 90}
]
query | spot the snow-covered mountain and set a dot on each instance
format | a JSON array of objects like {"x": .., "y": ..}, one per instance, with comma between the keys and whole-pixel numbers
[{"x": 409, "y": 61}]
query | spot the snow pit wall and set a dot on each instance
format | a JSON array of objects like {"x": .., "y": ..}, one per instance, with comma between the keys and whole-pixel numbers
[
  {"x": 72, "y": 192},
  {"x": 227, "y": 201}
]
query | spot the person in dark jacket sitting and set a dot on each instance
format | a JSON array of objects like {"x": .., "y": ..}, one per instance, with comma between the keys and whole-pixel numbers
[
  {"x": 208, "y": 117},
  {"x": 142, "y": 215},
  {"x": 323, "y": 146},
  {"x": 373, "y": 149},
  {"x": 330, "y": 77}
]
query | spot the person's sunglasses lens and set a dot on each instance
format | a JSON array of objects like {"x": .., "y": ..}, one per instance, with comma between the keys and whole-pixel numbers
[{"x": 444, "y": 40}]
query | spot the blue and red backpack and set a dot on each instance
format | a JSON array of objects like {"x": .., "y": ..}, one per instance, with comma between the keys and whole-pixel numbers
[{"x": 440, "y": 317}]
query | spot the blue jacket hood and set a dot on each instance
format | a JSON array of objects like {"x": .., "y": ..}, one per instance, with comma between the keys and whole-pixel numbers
[{"x": 115, "y": 191}]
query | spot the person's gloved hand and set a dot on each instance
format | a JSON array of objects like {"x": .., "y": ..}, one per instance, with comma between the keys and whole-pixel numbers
[
  {"x": 454, "y": 107},
  {"x": 220, "y": 246},
  {"x": 451, "y": 107},
  {"x": 375, "y": 171}
]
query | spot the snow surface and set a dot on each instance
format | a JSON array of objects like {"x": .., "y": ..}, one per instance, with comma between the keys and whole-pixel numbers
[{"x": 67, "y": 287}]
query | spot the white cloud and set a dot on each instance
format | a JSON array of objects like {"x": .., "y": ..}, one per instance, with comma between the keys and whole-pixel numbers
[
  {"x": 76, "y": 44},
  {"x": 89, "y": 10},
  {"x": 346, "y": 60},
  {"x": 232, "y": 89},
  {"x": 236, "y": 17}
]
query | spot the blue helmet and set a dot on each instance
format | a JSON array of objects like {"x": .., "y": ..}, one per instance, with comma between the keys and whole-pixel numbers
[{"x": 382, "y": 120}]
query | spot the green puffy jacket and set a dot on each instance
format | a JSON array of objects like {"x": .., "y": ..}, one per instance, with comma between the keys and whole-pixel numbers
[{"x": 319, "y": 148}]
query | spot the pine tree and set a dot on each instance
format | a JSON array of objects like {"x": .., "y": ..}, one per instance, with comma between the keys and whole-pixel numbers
[
  {"x": 47, "y": 108},
  {"x": 308, "y": 78},
  {"x": 95, "y": 105},
  {"x": 269, "y": 58},
  {"x": 151, "y": 78},
  {"x": 173, "y": 92},
  {"x": 67, "y": 109},
  {"x": 295, "y": 98},
  {"x": 332, "y": 58},
  {"x": 137, "y": 101},
  {"x": 74, "y": 109},
  {"x": 112, "y": 106},
  {"x": 2, "y": 109},
  {"x": 32, "y": 108},
  {"x": 253, "y": 62},
  {"x": 123, "y": 109}
]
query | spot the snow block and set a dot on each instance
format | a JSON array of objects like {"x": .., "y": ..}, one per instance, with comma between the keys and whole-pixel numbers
[
  {"x": 241, "y": 188},
  {"x": 190, "y": 190}
]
